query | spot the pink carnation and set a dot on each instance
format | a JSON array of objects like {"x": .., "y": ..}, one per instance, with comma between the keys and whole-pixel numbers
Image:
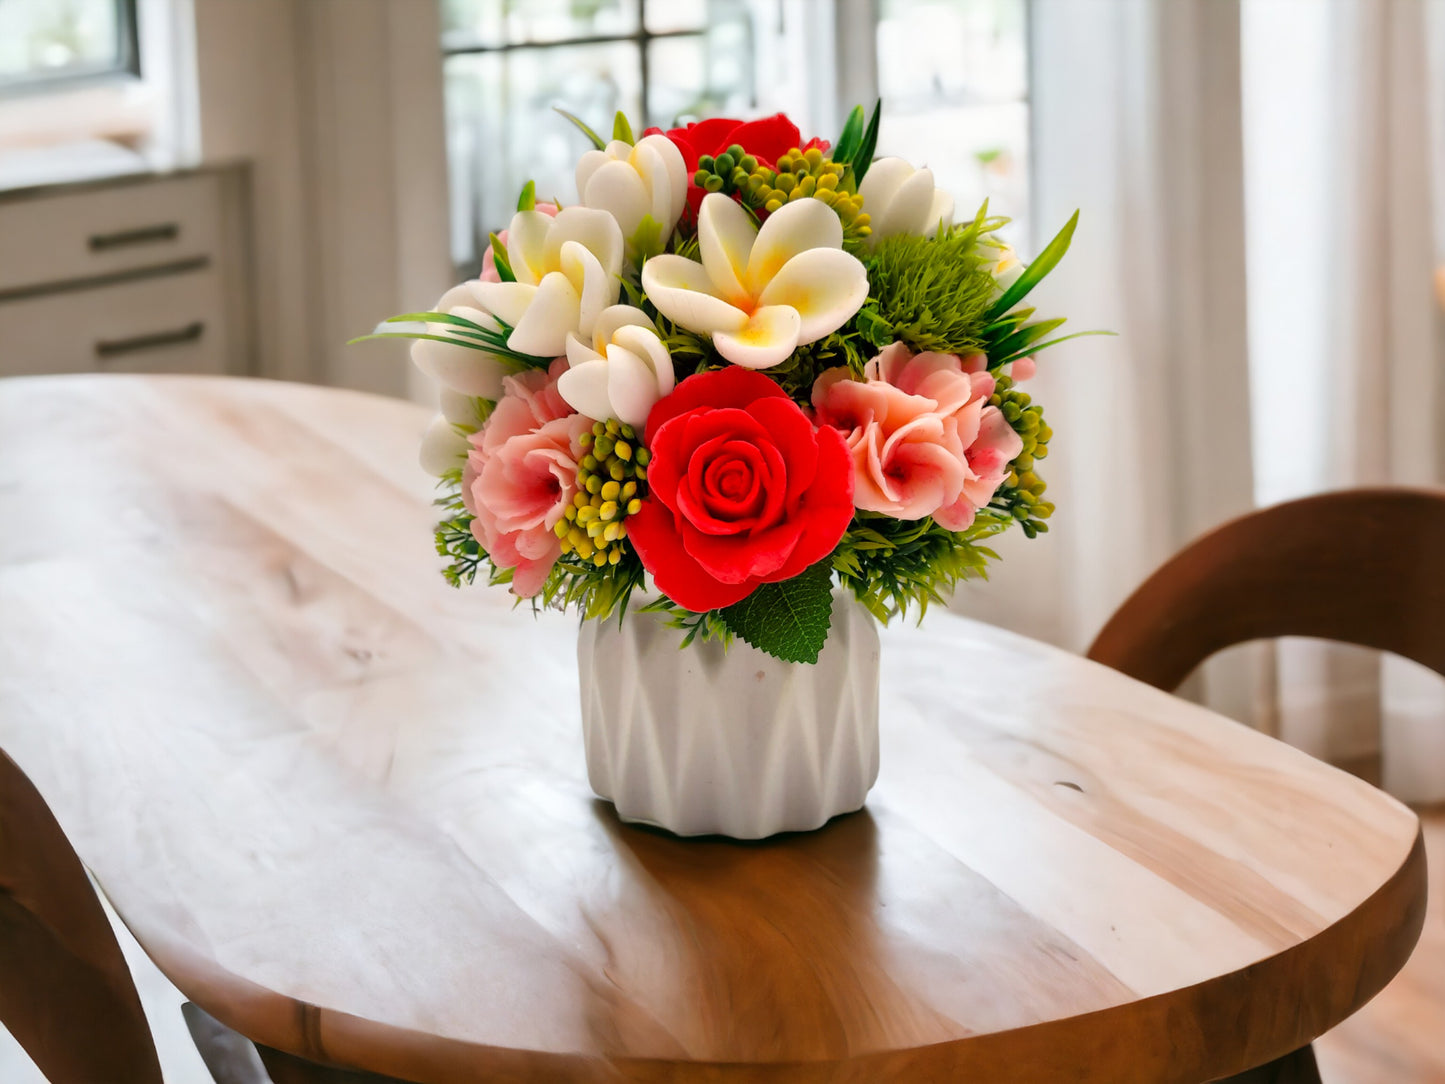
[
  {"x": 923, "y": 439},
  {"x": 489, "y": 261},
  {"x": 521, "y": 474}
]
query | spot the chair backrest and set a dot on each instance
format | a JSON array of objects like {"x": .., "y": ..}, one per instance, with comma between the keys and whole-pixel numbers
[
  {"x": 1361, "y": 566},
  {"x": 66, "y": 994}
]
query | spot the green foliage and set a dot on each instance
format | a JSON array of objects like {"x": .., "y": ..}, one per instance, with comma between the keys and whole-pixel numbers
[
  {"x": 696, "y": 627},
  {"x": 851, "y": 137},
  {"x": 463, "y": 332},
  {"x": 863, "y": 157},
  {"x": 454, "y": 538},
  {"x": 501, "y": 260},
  {"x": 646, "y": 241},
  {"x": 527, "y": 201},
  {"x": 1047, "y": 260},
  {"x": 788, "y": 620},
  {"x": 891, "y": 564},
  {"x": 597, "y": 141},
  {"x": 932, "y": 294},
  {"x": 622, "y": 128}
]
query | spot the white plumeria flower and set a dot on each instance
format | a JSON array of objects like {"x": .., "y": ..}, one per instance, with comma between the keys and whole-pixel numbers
[
  {"x": 566, "y": 269},
  {"x": 444, "y": 446},
  {"x": 902, "y": 199},
  {"x": 760, "y": 293},
  {"x": 622, "y": 372},
  {"x": 461, "y": 368},
  {"x": 630, "y": 182},
  {"x": 1004, "y": 263}
]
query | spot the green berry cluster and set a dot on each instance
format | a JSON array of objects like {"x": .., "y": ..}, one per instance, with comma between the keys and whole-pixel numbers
[
  {"x": 726, "y": 173},
  {"x": 1023, "y": 489},
  {"x": 808, "y": 173},
  {"x": 611, "y": 482}
]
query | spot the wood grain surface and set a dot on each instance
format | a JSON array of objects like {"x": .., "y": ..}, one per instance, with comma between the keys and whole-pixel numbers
[{"x": 344, "y": 807}]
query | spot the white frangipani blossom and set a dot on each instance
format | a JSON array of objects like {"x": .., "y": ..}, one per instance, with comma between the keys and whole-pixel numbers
[
  {"x": 444, "y": 445},
  {"x": 622, "y": 372},
  {"x": 632, "y": 181},
  {"x": 567, "y": 272},
  {"x": 760, "y": 293},
  {"x": 1004, "y": 262},
  {"x": 901, "y": 199}
]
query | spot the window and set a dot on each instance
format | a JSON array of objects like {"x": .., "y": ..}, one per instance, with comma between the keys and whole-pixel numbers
[
  {"x": 45, "y": 42},
  {"x": 952, "y": 75}
]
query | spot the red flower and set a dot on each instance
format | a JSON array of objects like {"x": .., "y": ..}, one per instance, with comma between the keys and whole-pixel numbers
[
  {"x": 767, "y": 140},
  {"x": 744, "y": 491}
]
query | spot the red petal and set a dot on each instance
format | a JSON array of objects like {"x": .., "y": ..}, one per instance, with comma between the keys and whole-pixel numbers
[
  {"x": 739, "y": 560},
  {"x": 793, "y": 433},
  {"x": 768, "y": 139},
  {"x": 674, "y": 571},
  {"x": 730, "y": 387},
  {"x": 826, "y": 509}
]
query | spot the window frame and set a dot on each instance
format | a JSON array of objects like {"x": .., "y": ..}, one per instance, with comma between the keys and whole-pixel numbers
[{"x": 127, "y": 70}]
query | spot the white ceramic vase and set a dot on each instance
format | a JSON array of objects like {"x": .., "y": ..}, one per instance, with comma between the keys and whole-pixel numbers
[{"x": 707, "y": 741}]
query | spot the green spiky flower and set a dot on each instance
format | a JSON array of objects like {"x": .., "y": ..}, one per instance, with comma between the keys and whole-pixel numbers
[{"x": 611, "y": 482}]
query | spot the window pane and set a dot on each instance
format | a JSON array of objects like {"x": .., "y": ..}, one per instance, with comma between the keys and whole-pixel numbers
[
  {"x": 502, "y": 131},
  {"x": 502, "y": 22},
  {"x": 954, "y": 80},
  {"x": 666, "y": 15},
  {"x": 53, "y": 38},
  {"x": 700, "y": 75}
]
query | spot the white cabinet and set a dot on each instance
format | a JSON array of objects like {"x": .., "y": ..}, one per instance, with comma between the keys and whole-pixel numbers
[{"x": 142, "y": 275}]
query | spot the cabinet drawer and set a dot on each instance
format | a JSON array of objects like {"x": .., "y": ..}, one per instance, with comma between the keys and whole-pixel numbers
[
  {"x": 174, "y": 323},
  {"x": 101, "y": 231}
]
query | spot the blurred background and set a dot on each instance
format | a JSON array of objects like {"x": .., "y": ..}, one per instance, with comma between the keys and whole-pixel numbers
[{"x": 241, "y": 186}]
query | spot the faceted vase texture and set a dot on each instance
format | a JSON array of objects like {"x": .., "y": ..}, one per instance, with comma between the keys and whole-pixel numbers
[{"x": 737, "y": 743}]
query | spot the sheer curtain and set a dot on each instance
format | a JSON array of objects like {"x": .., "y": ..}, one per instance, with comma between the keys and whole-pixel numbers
[
  {"x": 1137, "y": 122},
  {"x": 1261, "y": 185},
  {"x": 1343, "y": 166}
]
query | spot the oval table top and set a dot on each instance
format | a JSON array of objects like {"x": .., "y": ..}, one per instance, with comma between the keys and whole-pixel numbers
[{"x": 344, "y": 806}]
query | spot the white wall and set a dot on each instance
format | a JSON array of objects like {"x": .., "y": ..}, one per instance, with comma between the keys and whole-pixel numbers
[{"x": 336, "y": 105}]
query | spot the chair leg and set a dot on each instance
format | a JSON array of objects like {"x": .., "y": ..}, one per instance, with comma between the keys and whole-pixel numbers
[
  {"x": 1296, "y": 1068},
  {"x": 230, "y": 1057}
]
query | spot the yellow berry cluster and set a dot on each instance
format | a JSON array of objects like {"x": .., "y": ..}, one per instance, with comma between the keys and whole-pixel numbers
[
  {"x": 801, "y": 174},
  {"x": 611, "y": 482}
]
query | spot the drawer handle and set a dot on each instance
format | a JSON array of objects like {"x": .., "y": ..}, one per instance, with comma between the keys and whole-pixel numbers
[
  {"x": 145, "y": 235},
  {"x": 111, "y": 348}
]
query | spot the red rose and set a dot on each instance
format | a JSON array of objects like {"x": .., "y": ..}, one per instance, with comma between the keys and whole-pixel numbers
[
  {"x": 743, "y": 490},
  {"x": 767, "y": 140}
]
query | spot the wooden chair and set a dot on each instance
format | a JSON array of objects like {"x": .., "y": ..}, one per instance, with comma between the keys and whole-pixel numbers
[
  {"x": 66, "y": 994},
  {"x": 1360, "y": 566}
]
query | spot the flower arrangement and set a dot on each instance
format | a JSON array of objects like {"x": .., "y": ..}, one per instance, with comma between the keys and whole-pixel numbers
[{"x": 743, "y": 367}]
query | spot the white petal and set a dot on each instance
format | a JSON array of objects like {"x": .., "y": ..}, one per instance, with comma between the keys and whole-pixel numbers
[
  {"x": 614, "y": 317},
  {"x": 585, "y": 389},
  {"x": 527, "y": 246},
  {"x": 578, "y": 352},
  {"x": 769, "y": 337},
  {"x": 725, "y": 236},
  {"x": 471, "y": 372},
  {"x": 676, "y": 168},
  {"x": 509, "y": 300},
  {"x": 883, "y": 180},
  {"x": 793, "y": 228},
  {"x": 442, "y": 448},
  {"x": 907, "y": 211},
  {"x": 460, "y": 409},
  {"x": 940, "y": 212},
  {"x": 597, "y": 231},
  {"x": 464, "y": 293},
  {"x": 587, "y": 165},
  {"x": 554, "y": 310},
  {"x": 596, "y": 289},
  {"x": 682, "y": 292},
  {"x": 648, "y": 347},
  {"x": 631, "y": 385},
  {"x": 617, "y": 189},
  {"x": 825, "y": 285}
]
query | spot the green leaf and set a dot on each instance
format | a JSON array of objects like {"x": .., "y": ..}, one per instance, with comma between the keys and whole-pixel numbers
[
  {"x": 851, "y": 137},
  {"x": 597, "y": 141},
  {"x": 647, "y": 241},
  {"x": 527, "y": 201},
  {"x": 622, "y": 128},
  {"x": 499, "y": 258},
  {"x": 1053, "y": 342},
  {"x": 788, "y": 620},
  {"x": 864, "y": 157},
  {"x": 1020, "y": 338},
  {"x": 1053, "y": 252}
]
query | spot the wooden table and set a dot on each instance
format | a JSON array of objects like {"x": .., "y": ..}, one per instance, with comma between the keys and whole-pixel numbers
[{"x": 344, "y": 807}]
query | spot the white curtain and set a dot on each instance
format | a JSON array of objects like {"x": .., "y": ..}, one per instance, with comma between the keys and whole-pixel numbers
[
  {"x": 1343, "y": 164},
  {"x": 1136, "y": 118},
  {"x": 1260, "y": 181}
]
